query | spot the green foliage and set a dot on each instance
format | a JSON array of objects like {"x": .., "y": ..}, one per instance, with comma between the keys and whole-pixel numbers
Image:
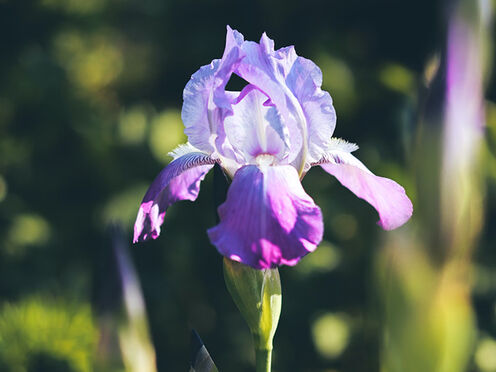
[{"x": 50, "y": 328}]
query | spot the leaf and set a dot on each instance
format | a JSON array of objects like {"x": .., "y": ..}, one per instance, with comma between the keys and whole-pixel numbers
[{"x": 200, "y": 358}]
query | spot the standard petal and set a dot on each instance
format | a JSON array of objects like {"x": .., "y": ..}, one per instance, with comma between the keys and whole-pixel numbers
[
  {"x": 194, "y": 113},
  {"x": 255, "y": 128},
  {"x": 180, "y": 180},
  {"x": 304, "y": 80},
  {"x": 294, "y": 85},
  {"x": 205, "y": 102},
  {"x": 386, "y": 196},
  {"x": 267, "y": 219},
  {"x": 260, "y": 68}
]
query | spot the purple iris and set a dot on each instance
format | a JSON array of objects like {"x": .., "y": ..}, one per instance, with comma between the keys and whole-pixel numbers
[{"x": 266, "y": 138}]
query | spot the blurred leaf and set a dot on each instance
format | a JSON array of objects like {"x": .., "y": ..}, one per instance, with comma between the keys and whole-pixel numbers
[
  {"x": 200, "y": 358},
  {"x": 134, "y": 336}
]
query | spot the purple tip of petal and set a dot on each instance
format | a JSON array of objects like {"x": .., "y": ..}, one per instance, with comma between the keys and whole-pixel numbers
[
  {"x": 180, "y": 180},
  {"x": 385, "y": 195},
  {"x": 267, "y": 43},
  {"x": 233, "y": 38},
  {"x": 267, "y": 219},
  {"x": 148, "y": 222}
]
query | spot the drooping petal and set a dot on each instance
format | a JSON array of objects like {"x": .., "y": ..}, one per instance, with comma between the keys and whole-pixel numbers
[
  {"x": 205, "y": 100},
  {"x": 180, "y": 180},
  {"x": 386, "y": 196},
  {"x": 255, "y": 128},
  {"x": 267, "y": 219}
]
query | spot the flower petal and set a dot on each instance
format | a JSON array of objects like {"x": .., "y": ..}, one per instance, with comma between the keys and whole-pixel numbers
[
  {"x": 385, "y": 195},
  {"x": 255, "y": 128},
  {"x": 261, "y": 68},
  {"x": 180, "y": 180},
  {"x": 205, "y": 100},
  {"x": 294, "y": 85},
  {"x": 267, "y": 219},
  {"x": 304, "y": 80}
]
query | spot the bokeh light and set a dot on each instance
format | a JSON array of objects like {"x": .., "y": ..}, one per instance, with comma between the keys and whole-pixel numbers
[
  {"x": 331, "y": 334},
  {"x": 166, "y": 133},
  {"x": 485, "y": 355}
]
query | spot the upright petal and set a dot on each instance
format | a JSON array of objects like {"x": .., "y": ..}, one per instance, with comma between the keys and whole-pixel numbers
[
  {"x": 180, "y": 180},
  {"x": 194, "y": 113},
  {"x": 304, "y": 80},
  {"x": 260, "y": 68},
  {"x": 386, "y": 196},
  {"x": 267, "y": 219},
  {"x": 255, "y": 128},
  {"x": 294, "y": 85},
  {"x": 205, "y": 100}
]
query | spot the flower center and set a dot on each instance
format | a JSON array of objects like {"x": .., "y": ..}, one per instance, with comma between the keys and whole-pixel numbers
[{"x": 264, "y": 160}]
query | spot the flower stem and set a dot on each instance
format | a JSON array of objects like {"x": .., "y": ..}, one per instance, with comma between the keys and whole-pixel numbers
[{"x": 263, "y": 360}]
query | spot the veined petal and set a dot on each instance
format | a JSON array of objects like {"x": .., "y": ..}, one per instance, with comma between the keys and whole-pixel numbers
[
  {"x": 386, "y": 196},
  {"x": 234, "y": 39},
  {"x": 255, "y": 128},
  {"x": 294, "y": 85},
  {"x": 205, "y": 100},
  {"x": 194, "y": 113},
  {"x": 262, "y": 68},
  {"x": 304, "y": 80},
  {"x": 267, "y": 219},
  {"x": 180, "y": 180}
]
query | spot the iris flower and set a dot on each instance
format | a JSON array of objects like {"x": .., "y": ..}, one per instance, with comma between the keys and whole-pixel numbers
[{"x": 266, "y": 138}]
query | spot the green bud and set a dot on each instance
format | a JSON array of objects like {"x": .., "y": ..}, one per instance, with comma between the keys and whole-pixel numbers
[{"x": 257, "y": 294}]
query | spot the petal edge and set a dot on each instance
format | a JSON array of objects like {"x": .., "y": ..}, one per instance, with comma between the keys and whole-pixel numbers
[
  {"x": 387, "y": 197},
  {"x": 180, "y": 180},
  {"x": 267, "y": 219}
]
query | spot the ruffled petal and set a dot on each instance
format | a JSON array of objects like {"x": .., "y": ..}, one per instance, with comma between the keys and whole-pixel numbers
[
  {"x": 267, "y": 219},
  {"x": 194, "y": 113},
  {"x": 294, "y": 85},
  {"x": 304, "y": 80},
  {"x": 180, "y": 180},
  {"x": 205, "y": 100},
  {"x": 386, "y": 196},
  {"x": 260, "y": 68}
]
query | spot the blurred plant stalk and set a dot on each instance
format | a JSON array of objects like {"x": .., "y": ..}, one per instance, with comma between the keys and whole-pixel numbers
[
  {"x": 425, "y": 273},
  {"x": 461, "y": 182},
  {"x": 136, "y": 346},
  {"x": 257, "y": 294}
]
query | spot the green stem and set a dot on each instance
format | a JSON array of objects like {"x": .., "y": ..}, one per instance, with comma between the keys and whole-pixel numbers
[{"x": 263, "y": 360}]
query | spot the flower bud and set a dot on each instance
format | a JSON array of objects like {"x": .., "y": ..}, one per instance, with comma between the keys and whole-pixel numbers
[{"x": 257, "y": 294}]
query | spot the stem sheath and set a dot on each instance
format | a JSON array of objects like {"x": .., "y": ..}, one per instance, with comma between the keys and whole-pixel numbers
[{"x": 263, "y": 359}]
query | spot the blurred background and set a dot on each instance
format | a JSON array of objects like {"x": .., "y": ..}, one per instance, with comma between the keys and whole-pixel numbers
[{"x": 90, "y": 99}]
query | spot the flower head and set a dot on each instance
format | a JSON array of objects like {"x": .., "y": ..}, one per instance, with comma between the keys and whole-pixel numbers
[{"x": 266, "y": 138}]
